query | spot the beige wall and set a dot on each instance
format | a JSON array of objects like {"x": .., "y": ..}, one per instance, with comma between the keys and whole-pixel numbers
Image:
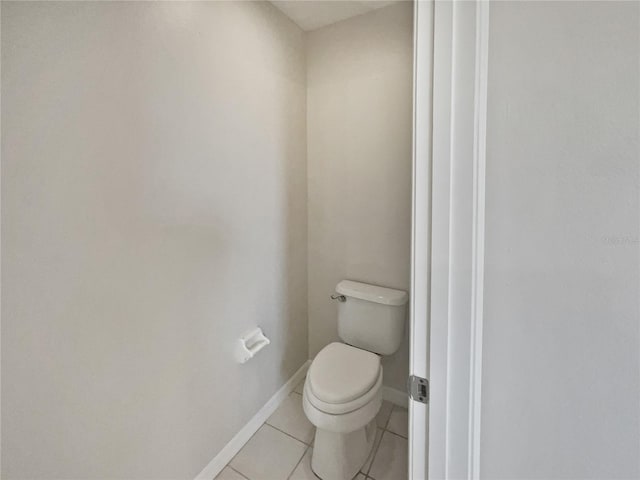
[
  {"x": 359, "y": 104},
  {"x": 560, "y": 369},
  {"x": 153, "y": 208}
]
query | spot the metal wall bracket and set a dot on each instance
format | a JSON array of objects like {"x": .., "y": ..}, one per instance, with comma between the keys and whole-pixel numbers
[{"x": 418, "y": 389}]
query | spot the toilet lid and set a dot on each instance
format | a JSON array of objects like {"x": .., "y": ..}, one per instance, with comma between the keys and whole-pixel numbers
[{"x": 341, "y": 373}]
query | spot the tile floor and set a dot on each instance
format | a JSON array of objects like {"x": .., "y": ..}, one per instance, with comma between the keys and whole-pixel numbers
[{"x": 281, "y": 448}]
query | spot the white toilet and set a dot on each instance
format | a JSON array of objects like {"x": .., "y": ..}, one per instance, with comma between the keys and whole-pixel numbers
[{"x": 343, "y": 389}]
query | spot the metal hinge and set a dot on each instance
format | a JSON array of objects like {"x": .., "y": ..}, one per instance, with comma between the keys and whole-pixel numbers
[{"x": 418, "y": 388}]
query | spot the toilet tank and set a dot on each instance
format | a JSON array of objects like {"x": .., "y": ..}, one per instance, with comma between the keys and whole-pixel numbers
[{"x": 371, "y": 317}]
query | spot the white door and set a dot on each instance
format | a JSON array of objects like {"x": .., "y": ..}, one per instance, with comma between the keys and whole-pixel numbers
[{"x": 534, "y": 249}]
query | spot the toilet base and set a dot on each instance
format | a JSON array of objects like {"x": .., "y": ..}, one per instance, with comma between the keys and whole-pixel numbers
[{"x": 340, "y": 456}]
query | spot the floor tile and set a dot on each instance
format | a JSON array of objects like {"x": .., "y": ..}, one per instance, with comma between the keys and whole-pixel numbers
[
  {"x": 376, "y": 444},
  {"x": 390, "y": 462},
  {"x": 269, "y": 454},
  {"x": 383, "y": 415},
  {"x": 291, "y": 419},
  {"x": 300, "y": 387},
  {"x": 399, "y": 421},
  {"x": 229, "y": 474},
  {"x": 303, "y": 470}
]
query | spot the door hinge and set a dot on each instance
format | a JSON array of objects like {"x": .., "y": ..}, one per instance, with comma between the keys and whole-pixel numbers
[{"x": 418, "y": 388}]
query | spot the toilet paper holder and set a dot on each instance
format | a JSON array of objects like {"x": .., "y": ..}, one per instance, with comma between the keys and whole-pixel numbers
[{"x": 250, "y": 344}]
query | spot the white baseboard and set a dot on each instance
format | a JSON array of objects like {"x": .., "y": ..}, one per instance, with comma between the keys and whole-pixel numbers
[
  {"x": 397, "y": 397},
  {"x": 230, "y": 450}
]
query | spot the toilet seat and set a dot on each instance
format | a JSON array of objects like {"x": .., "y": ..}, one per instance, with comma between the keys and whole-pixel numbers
[
  {"x": 347, "y": 407},
  {"x": 343, "y": 379},
  {"x": 343, "y": 418},
  {"x": 341, "y": 374}
]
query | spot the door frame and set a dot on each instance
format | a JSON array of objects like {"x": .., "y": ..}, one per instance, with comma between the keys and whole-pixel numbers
[
  {"x": 420, "y": 230},
  {"x": 451, "y": 57}
]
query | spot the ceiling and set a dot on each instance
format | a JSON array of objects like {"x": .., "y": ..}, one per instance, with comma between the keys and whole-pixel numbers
[{"x": 312, "y": 14}]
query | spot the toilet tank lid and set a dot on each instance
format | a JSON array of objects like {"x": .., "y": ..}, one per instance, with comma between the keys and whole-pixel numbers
[{"x": 372, "y": 293}]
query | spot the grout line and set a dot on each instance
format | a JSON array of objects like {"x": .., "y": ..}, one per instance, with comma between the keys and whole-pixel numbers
[
  {"x": 299, "y": 462},
  {"x": 287, "y": 434},
  {"x": 232, "y": 458},
  {"x": 378, "y": 449},
  {"x": 396, "y": 434},
  {"x": 374, "y": 452},
  {"x": 239, "y": 473},
  {"x": 384, "y": 427},
  {"x": 307, "y": 445}
]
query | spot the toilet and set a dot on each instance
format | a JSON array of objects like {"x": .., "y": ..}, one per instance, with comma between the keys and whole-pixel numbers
[{"x": 343, "y": 389}]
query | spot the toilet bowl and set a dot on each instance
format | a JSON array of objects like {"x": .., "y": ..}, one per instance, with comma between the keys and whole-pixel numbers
[
  {"x": 343, "y": 389},
  {"x": 342, "y": 396}
]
